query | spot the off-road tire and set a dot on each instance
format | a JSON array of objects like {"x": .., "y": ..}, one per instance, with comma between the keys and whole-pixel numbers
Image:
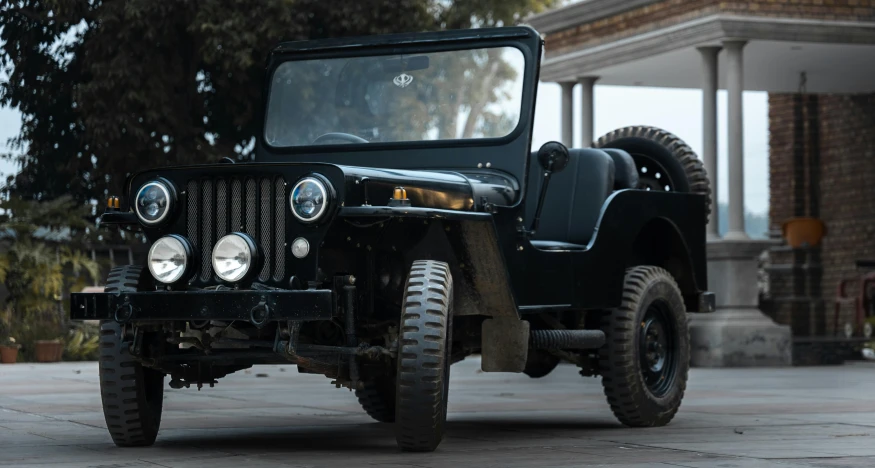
[
  {"x": 620, "y": 364},
  {"x": 683, "y": 167},
  {"x": 424, "y": 357},
  {"x": 132, "y": 395},
  {"x": 377, "y": 398}
]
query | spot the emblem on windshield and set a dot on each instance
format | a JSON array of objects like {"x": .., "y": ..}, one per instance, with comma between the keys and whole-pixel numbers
[{"x": 403, "y": 80}]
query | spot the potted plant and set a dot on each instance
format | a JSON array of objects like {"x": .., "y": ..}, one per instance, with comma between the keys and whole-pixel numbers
[
  {"x": 48, "y": 350},
  {"x": 9, "y": 350}
]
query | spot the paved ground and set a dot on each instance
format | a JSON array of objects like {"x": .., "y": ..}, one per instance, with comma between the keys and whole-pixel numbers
[{"x": 797, "y": 417}]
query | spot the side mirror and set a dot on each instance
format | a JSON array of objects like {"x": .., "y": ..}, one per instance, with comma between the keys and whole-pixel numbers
[{"x": 553, "y": 156}]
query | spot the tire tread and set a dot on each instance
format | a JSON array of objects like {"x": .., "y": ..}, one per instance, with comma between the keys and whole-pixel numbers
[
  {"x": 697, "y": 175},
  {"x": 423, "y": 361},
  {"x": 118, "y": 369},
  {"x": 618, "y": 359}
]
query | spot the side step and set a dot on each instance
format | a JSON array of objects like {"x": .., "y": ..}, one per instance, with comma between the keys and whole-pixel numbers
[{"x": 566, "y": 339}]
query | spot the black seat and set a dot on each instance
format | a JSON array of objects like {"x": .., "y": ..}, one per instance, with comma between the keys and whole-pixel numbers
[
  {"x": 574, "y": 199},
  {"x": 625, "y": 171}
]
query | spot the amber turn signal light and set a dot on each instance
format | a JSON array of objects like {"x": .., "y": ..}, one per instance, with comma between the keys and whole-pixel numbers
[
  {"x": 399, "y": 197},
  {"x": 400, "y": 193}
]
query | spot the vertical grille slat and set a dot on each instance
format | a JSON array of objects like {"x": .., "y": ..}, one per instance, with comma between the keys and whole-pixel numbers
[
  {"x": 265, "y": 212},
  {"x": 207, "y": 229},
  {"x": 256, "y": 206},
  {"x": 236, "y": 205},
  {"x": 193, "y": 215},
  {"x": 279, "y": 226},
  {"x": 221, "y": 208},
  {"x": 251, "y": 203}
]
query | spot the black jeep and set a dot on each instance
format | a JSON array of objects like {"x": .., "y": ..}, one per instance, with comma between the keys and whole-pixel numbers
[{"x": 393, "y": 223}]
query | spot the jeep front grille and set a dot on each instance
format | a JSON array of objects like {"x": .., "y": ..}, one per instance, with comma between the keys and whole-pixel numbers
[{"x": 256, "y": 206}]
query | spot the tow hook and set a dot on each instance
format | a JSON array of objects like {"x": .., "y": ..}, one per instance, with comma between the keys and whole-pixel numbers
[
  {"x": 259, "y": 314},
  {"x": 124, "y": 312}
]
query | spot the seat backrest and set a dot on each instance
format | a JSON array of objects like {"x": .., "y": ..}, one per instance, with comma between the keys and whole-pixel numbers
[
  {"x": 574, "y": 198},
  {"x": 625, "y": 170}
]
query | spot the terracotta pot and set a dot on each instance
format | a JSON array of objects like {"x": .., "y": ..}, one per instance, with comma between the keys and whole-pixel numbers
[
  {"x": 48, "y": 350},
  {"x": 8, "y": 354},
  {"x": 803, "y": 232}
]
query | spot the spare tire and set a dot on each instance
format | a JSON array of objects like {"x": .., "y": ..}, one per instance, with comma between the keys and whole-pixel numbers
[{"x": 665, "y": 163}]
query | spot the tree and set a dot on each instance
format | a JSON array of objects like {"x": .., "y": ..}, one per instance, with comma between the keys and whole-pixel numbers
[{"x": 110, "y": 86}]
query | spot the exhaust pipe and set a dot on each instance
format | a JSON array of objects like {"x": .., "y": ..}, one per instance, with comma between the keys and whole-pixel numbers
[{"x": 566, "y": 339}]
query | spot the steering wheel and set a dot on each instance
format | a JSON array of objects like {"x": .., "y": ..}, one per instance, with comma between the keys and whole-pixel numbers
[{"x": 347, "y": 137}]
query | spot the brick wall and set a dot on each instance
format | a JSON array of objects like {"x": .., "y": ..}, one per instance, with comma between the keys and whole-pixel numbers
[
  {"x": 842, "y": 194},
  {"x": 670, "y": 12},
  {"x": 847, "y": 184}
]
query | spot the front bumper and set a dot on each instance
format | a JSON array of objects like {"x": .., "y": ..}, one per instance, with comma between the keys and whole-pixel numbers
[{"x": 257, "y": 307}]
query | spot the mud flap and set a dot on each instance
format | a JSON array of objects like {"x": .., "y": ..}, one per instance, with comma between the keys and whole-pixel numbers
[{"x": 505, "y": 344}]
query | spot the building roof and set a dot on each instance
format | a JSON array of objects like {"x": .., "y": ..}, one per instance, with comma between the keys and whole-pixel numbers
[
  {"x": 582, "y": 12},
  {"x": 653, "y": 43}
]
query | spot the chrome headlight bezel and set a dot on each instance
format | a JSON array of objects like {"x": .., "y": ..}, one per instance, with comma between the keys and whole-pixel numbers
[
  {"x": 326, "y": 190},
  {"x": 188, "y": 268},
  {"x": 254, "y": 265},
  {"x": 167, "y": 190}
]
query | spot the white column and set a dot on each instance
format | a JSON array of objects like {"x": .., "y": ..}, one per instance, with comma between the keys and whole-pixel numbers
[
  {"x": 735, "y": 87},
  {"x": 587, "y": 110},
  {"x": 567, "y": 113},
  {"x": 709, "y": 127}
]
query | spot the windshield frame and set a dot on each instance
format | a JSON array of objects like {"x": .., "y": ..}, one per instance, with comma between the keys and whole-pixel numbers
[{"x": 418, "y": 44}]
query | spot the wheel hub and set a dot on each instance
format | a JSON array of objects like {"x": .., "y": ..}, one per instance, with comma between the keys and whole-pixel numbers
[
  {"x": 651, "y": 175},
  {"x": 657, "y": 349}
]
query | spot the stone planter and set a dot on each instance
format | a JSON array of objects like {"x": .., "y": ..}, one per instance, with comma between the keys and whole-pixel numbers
[
  {"x": 8, "y": 354},
  {"x": 48, "y": 350}
]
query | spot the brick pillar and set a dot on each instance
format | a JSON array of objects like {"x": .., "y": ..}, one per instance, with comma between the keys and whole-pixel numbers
[{"x": 822, "y": 149}]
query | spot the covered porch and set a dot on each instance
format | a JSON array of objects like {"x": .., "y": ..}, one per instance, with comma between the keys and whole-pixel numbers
[{"x": 777, "y": 47}]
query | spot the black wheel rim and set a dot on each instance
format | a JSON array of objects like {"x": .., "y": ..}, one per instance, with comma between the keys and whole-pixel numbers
[
  {"x": 657, "y": 347},
  {"x": 652, "y": 175}
]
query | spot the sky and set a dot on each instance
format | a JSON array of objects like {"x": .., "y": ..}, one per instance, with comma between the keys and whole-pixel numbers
[{"x": 676, "y": 110}]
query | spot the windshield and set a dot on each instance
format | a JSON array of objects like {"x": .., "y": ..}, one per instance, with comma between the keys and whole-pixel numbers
[{"x": 458, "y": 94}]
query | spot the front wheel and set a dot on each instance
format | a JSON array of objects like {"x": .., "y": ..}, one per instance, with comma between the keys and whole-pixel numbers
[
  {"x": 424, "y": 357},
  {"x": 132, "y": 395},
  {"x": 646, "y": 358},
  {"x": 377, "y": 397}
]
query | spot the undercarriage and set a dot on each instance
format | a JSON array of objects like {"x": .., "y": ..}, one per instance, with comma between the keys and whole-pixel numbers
[{"x": 320, "y": 334}]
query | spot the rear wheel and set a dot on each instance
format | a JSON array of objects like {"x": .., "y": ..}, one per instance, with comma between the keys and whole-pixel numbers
[
  {"x": 646, "y": 357},
  {"x": 424, "y": 357},
  {"x": 664, "y": 162},
  {"x": 132, "y": 395}
]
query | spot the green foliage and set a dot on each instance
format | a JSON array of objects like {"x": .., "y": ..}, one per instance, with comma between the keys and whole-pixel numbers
[
  {"x": 38, "y": 263},
  {"x": 107, "y": 87},
  {"x": 83, "y": 343}
]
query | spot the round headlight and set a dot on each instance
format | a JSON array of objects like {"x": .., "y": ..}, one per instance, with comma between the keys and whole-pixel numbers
[
  {"x": 234, "y": 257},
  {"x": 153, "y": 202},
  {"x": 309, "y": 199},
  {"x": 168, "y": 259}
]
